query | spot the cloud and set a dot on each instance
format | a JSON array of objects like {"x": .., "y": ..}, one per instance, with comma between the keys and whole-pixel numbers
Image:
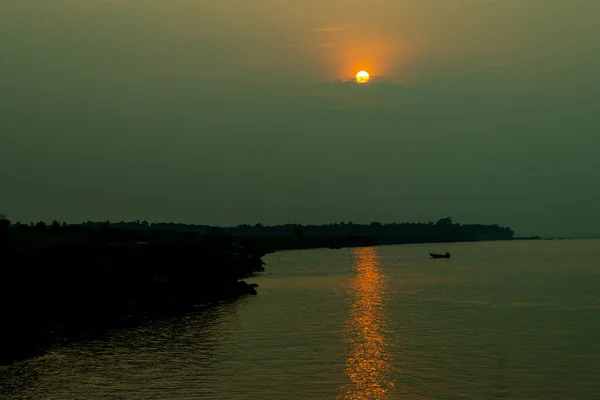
[
  {"x": 332, "y": 28},
  {"x": 327, "y": 44}
]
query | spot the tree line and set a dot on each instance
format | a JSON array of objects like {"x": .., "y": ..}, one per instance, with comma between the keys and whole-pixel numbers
[{"x": 443, "y": 229}]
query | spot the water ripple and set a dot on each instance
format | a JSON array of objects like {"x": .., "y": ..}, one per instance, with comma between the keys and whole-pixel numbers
[{"x": 500, "y": 320}]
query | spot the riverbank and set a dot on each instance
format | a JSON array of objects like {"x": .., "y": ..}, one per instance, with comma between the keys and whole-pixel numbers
[{"x": 55, "y": 287}]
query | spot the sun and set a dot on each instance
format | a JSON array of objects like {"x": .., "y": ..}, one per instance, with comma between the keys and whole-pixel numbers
[{"x": 362, "y": 77}]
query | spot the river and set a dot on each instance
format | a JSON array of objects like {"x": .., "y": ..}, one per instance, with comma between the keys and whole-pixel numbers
[{"x": 516, "y": 320}]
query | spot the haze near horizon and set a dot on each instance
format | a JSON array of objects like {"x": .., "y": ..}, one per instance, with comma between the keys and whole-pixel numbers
[{"x": 229, "y": 112}]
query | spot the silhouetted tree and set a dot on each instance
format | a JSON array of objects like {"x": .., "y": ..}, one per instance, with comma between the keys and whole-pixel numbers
[
  {"x": 4, "y": 223},
  {"x": 445, "y": 221},
  {"x": 40, "y": 226}
]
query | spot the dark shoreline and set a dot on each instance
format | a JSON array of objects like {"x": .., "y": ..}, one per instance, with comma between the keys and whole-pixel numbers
[{"x": 55, "y": 291}]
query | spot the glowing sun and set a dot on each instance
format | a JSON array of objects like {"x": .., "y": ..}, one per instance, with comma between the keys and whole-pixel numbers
[{"x": 362, "y": 77}]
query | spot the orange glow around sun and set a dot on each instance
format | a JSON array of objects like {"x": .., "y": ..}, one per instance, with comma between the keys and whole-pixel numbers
[{"x": 374, "y": 53}]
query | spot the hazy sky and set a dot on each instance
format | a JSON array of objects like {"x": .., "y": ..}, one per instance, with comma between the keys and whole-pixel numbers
[{"x": 237, "y": 111}]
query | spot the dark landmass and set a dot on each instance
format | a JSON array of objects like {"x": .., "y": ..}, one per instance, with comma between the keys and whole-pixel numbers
[
  {"x": 62, "y": 280},
  {"x": 295, "y": 236}
]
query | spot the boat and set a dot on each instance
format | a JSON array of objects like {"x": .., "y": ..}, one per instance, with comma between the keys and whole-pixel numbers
[{"x": 433, "y": 255}]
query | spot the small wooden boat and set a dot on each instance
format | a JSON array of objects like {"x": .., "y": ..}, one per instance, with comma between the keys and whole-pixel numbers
[{"x": 433, "y": 255}]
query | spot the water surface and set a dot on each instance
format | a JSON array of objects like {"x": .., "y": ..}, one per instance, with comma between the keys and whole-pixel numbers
[{"x": 518, "y": 320}]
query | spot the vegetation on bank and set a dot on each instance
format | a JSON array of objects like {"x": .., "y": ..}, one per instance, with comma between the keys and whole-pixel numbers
[{"x": 61, "y": 279}]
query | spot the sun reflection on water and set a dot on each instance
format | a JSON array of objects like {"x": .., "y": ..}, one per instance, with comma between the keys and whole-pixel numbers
[{"x": 368, "y": 364}]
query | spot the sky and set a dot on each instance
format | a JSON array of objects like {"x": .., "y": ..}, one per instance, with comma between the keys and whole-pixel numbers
[{"x": 229, "y": 112}]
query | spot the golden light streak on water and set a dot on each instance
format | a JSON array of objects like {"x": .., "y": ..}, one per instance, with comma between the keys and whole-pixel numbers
[{"x": 368, "y": 362}]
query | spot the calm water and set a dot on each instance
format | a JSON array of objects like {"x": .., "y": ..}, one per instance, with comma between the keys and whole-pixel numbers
[{"x": 516, "y": 320}]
